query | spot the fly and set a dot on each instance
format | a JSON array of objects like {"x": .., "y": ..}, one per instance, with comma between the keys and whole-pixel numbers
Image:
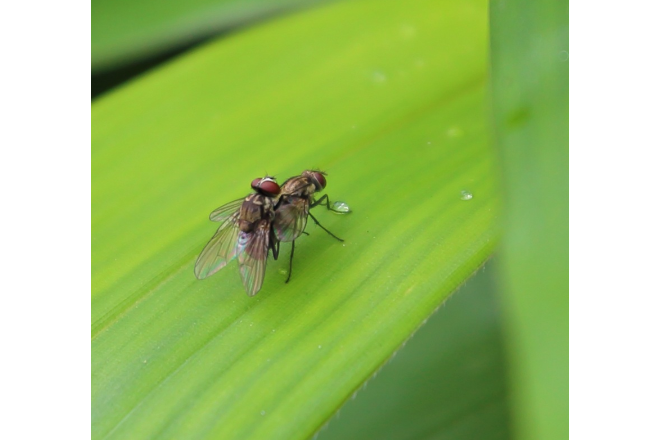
[
  {"x": 245, "y": 233},
  {"x": 292, "y": 210}
]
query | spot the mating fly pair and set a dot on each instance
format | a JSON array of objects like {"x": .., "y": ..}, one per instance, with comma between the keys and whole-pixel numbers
[{"x": 252, "y": 227}]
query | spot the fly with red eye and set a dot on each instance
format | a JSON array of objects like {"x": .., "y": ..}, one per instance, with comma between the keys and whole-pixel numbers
[
  {"x": 292, "y": 210},
  {"x": 245, "y": 233}
]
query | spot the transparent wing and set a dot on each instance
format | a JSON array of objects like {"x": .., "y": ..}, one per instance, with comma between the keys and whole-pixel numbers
[
  {"x": 291, "y": 218},
  {"x": 220, "y": 250},
  {"x": 252, "y": 255},
  {"x": 225, "y": 211}
]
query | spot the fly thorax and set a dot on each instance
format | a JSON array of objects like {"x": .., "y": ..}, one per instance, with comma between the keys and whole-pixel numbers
[
  {"x": 251, "y": 210},
  {"x": 245, "y": 226},
  {"x": 308, "y": 191}
]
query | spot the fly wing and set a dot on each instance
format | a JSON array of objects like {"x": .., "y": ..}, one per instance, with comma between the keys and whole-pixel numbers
[
  {"x": 225, "y": 211},
  {"x": 252, "y": 256},
  {"x": 221, "y": 249},
  {"x": 291, "y": 218}
]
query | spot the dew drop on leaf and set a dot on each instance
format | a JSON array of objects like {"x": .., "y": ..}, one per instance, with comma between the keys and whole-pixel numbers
[
  {"x": 341, "y": 207},
  {"x": 379, "y": 77},
  {"x": 454, "y": 132}
]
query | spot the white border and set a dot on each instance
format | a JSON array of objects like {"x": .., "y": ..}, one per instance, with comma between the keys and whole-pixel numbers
[
  {"x": 614, "y": 221},
  {"x": 45, "y": 192}
]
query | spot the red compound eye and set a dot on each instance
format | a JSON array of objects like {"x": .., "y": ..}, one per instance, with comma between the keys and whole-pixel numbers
[
  {"x": 269, "y": 188},
  {"x": 255, "y": 183},
  {"x": 320, "y": 178}
]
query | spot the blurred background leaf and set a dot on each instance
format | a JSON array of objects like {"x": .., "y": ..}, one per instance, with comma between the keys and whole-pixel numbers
[
  {"x": 447, "y": 382},
  {"x": 391, "y": 102},
  {"x": 129, "y": 30},
  {"x": 529, "y": 51},
  {"x": 132, "y": 37}
]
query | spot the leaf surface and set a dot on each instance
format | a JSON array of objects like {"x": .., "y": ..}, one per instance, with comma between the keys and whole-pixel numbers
[{"x": 389, "y": 99}]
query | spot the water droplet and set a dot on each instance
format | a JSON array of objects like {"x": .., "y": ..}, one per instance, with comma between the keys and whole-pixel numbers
[
  {"x": 283, "y": 271},
  {"x": 454, "y": 132},
  {"x": 466, "y": 195},
  {"x": 379, "y": 77},
  {"x": 563, "y": 55},
  {"x": 263, "y": 413},
  {"x": 144, "y": 361},
  {"x": 319, "y": 346},
  {"x": 407, "y": 31},
  {"x": 341, "y": 207},
  {"x": 253, "y": 322}
]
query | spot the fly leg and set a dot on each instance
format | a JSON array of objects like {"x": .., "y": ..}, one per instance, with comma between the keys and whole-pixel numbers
[
  {"x": 327, "y": 204},
  {"x": 319, "y": 224},
  {"x": 293, "y": 246},
  {"x": 274, "y": 245}
]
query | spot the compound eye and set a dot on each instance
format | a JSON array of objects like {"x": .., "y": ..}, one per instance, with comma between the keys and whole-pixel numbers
[
  {"x": 269, "y": 187},
  {"x": 255, "y": 183},
  {"x": 320, "y": 178}
]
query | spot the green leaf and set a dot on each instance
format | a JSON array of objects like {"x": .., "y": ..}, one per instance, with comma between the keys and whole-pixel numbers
[
  {"x": 125, "y": 30},
  {"x": 530, "y": 88},
  {"x": 390, "y": 100},
  {"x": 448, "y": 382}
]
